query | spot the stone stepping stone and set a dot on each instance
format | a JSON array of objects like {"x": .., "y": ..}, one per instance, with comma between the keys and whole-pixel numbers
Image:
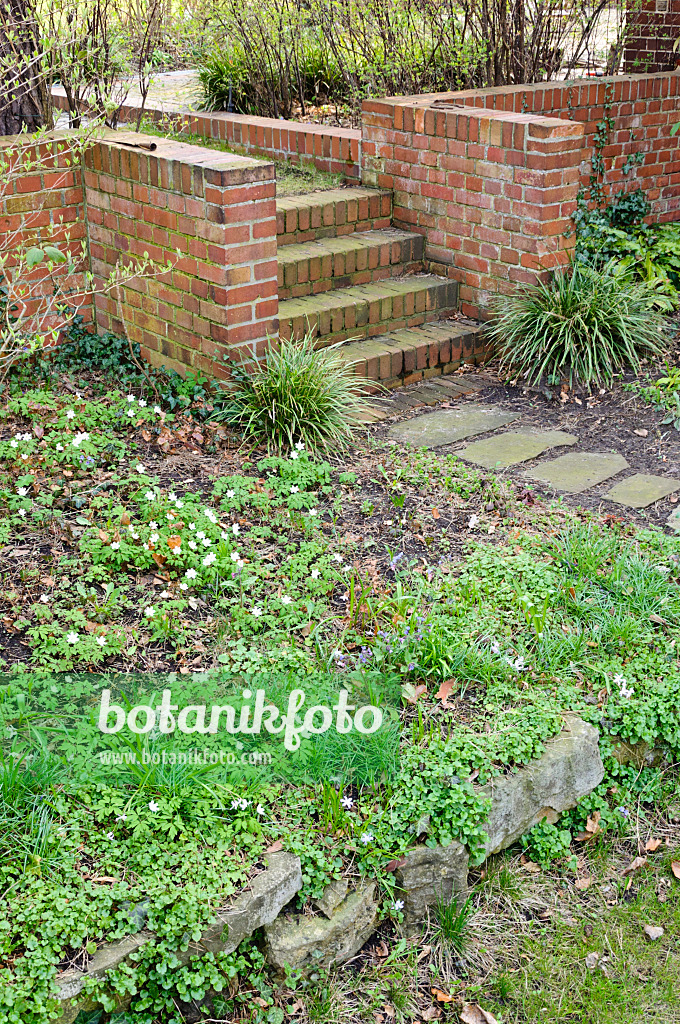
[
  {"x": 578, "y": 471},
  {"x": 641, "y": 489},
  {"x": 433, "y": 429},
  {"x": 514, "y": 446}
]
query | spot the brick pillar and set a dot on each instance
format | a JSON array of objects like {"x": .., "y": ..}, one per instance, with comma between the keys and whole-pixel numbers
[
  {"x": 491, "y": 191},
  {"x": 213, "y": 216}
]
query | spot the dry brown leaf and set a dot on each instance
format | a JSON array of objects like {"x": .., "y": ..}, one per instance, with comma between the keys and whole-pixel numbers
[
  {"x": 435, "y": 513},
  {"x": 174, "y": 542},
  {"x": 653, "y": 932},
  {"x": 441, "y": 997},
  {"x": 675, "y": 868},
  {"x": 583, "y": 883},
  {"x": 104, "y": 537},
  {"x": 411, "y": 693},
  {"x": 275, "y": 847},
  {"x": 472, "y": 1013},
  {"x": 444, "y": 690},
  {"x": 430, "y": 1013},
  {"x": 652, "y": 844},
  {"x": 125, "y": 519},
  {"x": 396, "y": 863},
  {"x": 641, "y": 433},
  {"x": 158, "y": 559},
  {"x": 634, "y": 865}
]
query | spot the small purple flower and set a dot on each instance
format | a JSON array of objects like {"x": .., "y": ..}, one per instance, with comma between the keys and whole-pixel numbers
[{"x": 411, "y": 667}]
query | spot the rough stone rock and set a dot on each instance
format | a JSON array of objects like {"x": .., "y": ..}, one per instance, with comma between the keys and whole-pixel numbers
[
  {"x": 297, "y": 940},
  {"x": 260, "y": 905},
  {"x": 642, "y": 489},
  {"x": 332, "y": 896},
  {"x": 578, "y": 471},
  {"x": 513, "y": 447},
  {"x": 569, "y": 768},
  {"x": 426, "y": 875}
]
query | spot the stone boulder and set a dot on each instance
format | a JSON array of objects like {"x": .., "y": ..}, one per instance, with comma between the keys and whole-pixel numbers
[
  {"x": 569, "y": 768},
  {"x": 428, "y": 874},
  {"x": 296, "y": 940}
]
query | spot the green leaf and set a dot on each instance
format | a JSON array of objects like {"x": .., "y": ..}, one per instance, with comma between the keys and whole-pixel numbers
[{"x": 34, "y": 256}]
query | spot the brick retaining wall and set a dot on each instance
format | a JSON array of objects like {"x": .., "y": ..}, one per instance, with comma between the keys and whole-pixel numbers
[{"x": 490, "y": 177}]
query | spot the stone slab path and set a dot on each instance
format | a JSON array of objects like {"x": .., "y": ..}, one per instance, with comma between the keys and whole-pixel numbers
[
  {"x": 513, "y": 447},
  {"x": 572, "y": 473},
  {"x": 434, "y": 429}
]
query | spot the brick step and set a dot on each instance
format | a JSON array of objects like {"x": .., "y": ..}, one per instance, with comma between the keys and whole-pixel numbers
[
  {"x": 339, "y": 211},
  {"x": 363, "y": 311},
  {"x": 403, "y": 356},
  {"x": 364, "y": 256}
]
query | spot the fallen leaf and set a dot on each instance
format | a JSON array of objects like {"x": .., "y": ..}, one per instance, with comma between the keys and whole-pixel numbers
[
  {"x": 583, "y": 883},
  {"x": 396, "y": 863},
  {"x": 587, "y": 929},
  {"x": 652, "y": 844},
  {"x": 444, "y": 690},
  {"x": 103, "y": 536},
  {"x": 634, "y": 865},
  {"x": 472, "y": 1013},
  {"x": 260, "y": 1001},
  {"x": 389, "y": 1010},
  {"x": 158, "y": 559},
  {"x": 381, "y": 949},
  {"x": 591, "y": 960},
  {"x": 174, "y": 542},
  {"x": 411, "y": 693},
  {"x": 435, "y": 513},
  {"x": 425, "y": 951},
  {"x": 430, "y": 1013},
  {"x": 591, "y": 830},
  {"x": 653, "y": 932},
  {"x": 641, "y": 433},
  {"x": 441, "y": 997},
  {"x": 675, "y": 868},
  {"x": 275, "y": 847}
]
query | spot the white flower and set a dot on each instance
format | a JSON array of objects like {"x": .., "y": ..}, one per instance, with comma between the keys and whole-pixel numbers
[
  {"x": 626, "y": 691},
  {"x": 519, "y": 664},
  {"x": 122, "y": 817},
  {"x": 140, "y": 467},
  {"x": 398, "y": 905},
  {"x": 346, "y": 568},
  {"x": 153, "y": 525},
  {"x": 300, "y": 446},
  {"x": 210, "y": 558},
  {"x": 22, "y": 491},
  {"x": 257, "y": 612},
  {"x": 193, "y": 545},
  {"x": 472, "y": 522},
  {"x": 230, "y": 494},
  {"x": 177, "y": 550},
  {"x": 27, "y": 437},
  {"x": 337, "y": 557},
  {"x": 294, "y": 489},
  {"x": 149, "y": 495},
  {"x": 293, "y": 455},
  {"x": 367, "y": 838},
  {"x": 191, "y": 574},
  {"x": 44, "y": 599},
  {"x": 240, "y": 563},
  {"x": 157, "y": 409},
  {"x": 25, "y": 457},
  {"x": 72, "y": 638},
  {"x": 192, "y": 526},
  {"x": 312, "y": 511},
  {"x": 153, "y": 806},
  {"x": 101, "y": 640},
  {"x": 236, "y": 529},
  {"x": 259, "y": 809},
  {"x": 234, "y": 556},
  {"x": 115, "y": 545},
  {"x": 184, "y": 586},
  {"x": 235, "y": 804},
  {"x": 131, "y": 398},
  {"x": 153, "y": 538},
  {"x": 141, "y": 403},
  {"x": 135, "y": 536},
  {"x": 209, "y": 514},
  {"x": 70, "y": 414},
  {"x": 619, "y": 680},
  {"x": 243, "y": 803},
  {"x": 145, "y": 546},
  {"x": 164, "y": 594},
  {"x": 200, "y": 534},
  {"x": 315, "y": 574},
  {"x": 347, "y": 802},
  {"x": 149, "y": 611},
  {"x": 60, "y": 447},
  {"x": 110, "y": 835},
  {"x": 131, "y": 412},
  {"x": 22, "y": 512},
  {"x": 286, "y": 599},
  {"x": 178, "y": 503},
  {"x": 14, "y": 444},
  {"x": 206, "y": 543}
]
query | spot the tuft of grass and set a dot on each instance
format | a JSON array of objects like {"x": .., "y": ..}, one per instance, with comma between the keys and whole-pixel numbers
[
  {"x": 453, "y": 918},
  {"x": 295, "y": 393},
  {"x": 584, "y": 325}
]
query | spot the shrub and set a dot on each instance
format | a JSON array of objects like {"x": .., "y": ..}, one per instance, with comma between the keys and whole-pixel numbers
[
  {"x": 584, "y": 325},
  {"x": 295, "y": 393}
]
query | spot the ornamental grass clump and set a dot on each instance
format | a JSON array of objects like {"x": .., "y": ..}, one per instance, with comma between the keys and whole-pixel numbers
[
  {"x": 582, "y": 326},
  {"x": 295, "y": 393}
]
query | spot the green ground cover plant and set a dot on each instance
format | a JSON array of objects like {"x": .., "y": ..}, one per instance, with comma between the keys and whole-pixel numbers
[{"x": 140, "y": 534}]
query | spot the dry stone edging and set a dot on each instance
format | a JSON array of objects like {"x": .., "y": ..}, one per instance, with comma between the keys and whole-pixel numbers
[
  {"x": 569, "y": 768},
  {"x": 269, "y": 892}
]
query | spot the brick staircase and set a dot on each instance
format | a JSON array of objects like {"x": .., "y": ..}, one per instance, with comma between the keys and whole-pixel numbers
[{"x": 347, "y": 274}]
